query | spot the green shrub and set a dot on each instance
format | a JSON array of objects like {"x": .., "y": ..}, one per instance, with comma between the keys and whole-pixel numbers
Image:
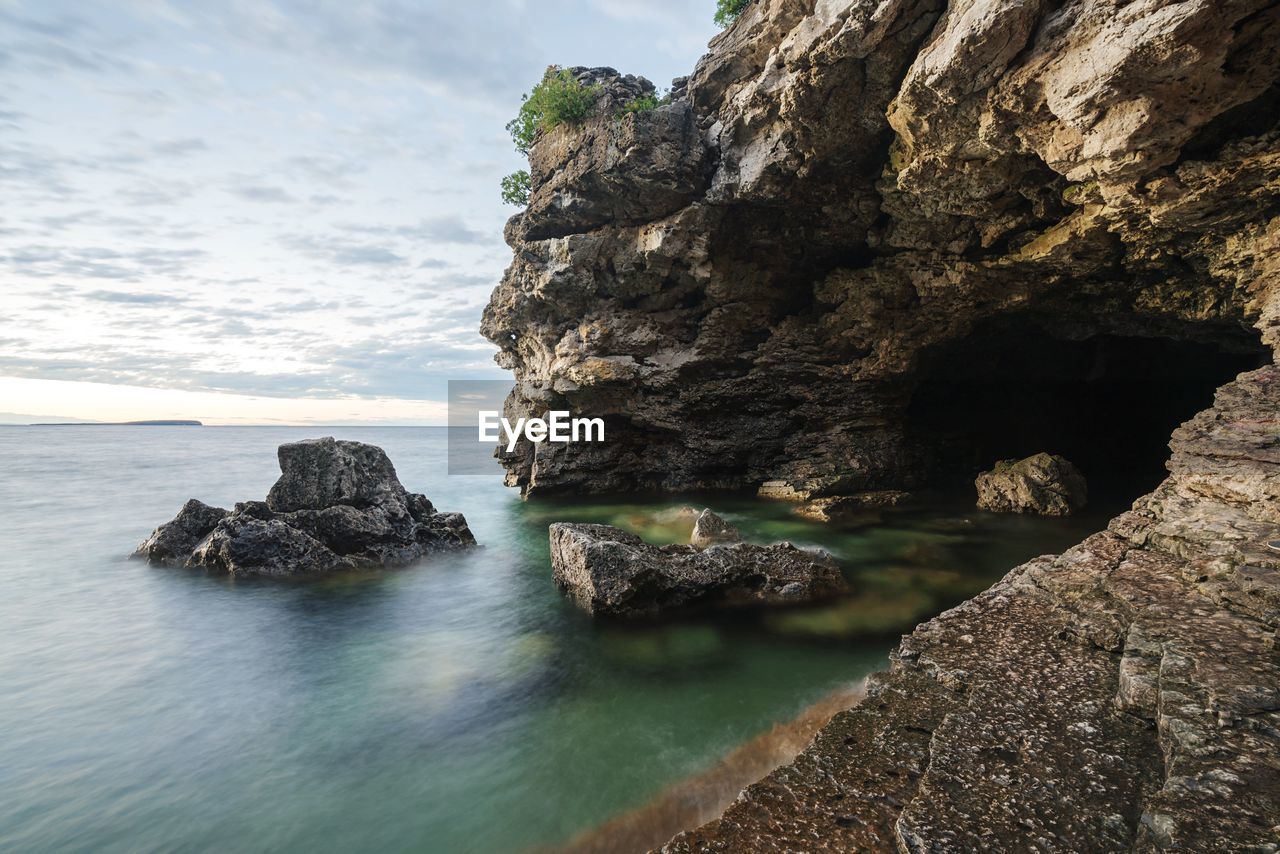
[
  {"x": 645, "y": 103},
  {"x": 558, "y": 99},
  {"x": 515, "y": 188},
  {"x": 727, "y": 11}
]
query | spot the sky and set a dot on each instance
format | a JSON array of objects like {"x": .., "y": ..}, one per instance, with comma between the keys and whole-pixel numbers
[{"x": 266, "y": 211}]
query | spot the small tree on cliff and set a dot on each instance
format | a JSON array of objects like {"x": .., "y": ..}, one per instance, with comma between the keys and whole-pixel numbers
[
  {"x": 515, "y": 188},
  {"x": 559, "y": 98},
  {"x": 727, "y": 11}
]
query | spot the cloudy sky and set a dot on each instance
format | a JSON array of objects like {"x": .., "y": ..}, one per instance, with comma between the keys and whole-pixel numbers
[{"x": 264, "y": 211}]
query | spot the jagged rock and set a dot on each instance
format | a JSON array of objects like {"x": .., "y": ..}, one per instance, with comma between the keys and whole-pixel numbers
[
  {"x": 1124, "y": 695},
  {"x": 338, "y": 505},
  {"x": 173, "y": 541},
  {"x": 320, "y": 473},
  {"x": 622, "y": 167},
  {"x": 886, "y": 181},
  {"x": 861, "y": 507},
  {"x": 610, "y": 572},
  {"x": 1045, "y": 484},
  {"x": 709, "y": 530}
]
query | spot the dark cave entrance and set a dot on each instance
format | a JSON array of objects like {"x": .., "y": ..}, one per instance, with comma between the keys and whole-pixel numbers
[{"x": 1106, "y": 402}]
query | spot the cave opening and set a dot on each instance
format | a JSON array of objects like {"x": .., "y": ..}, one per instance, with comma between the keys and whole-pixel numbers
[{"x": 1107, "y": 402}]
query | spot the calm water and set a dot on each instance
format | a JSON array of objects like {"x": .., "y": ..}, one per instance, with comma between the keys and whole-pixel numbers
[{"x": 458, "y": 705}]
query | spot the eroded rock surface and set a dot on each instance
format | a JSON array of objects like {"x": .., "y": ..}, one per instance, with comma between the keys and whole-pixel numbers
[
  {"x": 709, "y": 530},
  {"x": 608, "y": 571},
  {"x": 890, "y": 190},
  {"x": 1046, "y": 484},
  {"x": 338, "y": 505},
  {"x": 752, "y": 283},
  {"x": 1123, "y": 696}
]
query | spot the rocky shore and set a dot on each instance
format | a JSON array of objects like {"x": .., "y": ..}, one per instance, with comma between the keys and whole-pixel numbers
[
  {"x": 875, "y": 245},
  {"x": 1124, "y": 695}
]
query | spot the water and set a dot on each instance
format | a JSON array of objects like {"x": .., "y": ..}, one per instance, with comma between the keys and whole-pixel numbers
[{"x": 458, "y": 705}]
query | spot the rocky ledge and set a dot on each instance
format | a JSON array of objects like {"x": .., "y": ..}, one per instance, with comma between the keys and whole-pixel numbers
[
  {"x": 610, "y": 572},
  {"x": 338, "y": 505},
  {"x": 1123, "y": 696}
]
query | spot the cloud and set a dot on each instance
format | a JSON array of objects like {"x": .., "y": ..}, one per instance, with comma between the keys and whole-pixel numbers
[
  {"x": 262, "y": 193},
  {"x": 447, "y": 228},
  {"x": 343, "y": 252},
  {"x": 135, "y": 298},
  {"x": 179, "y": 147},
  {"x": 97, "y": 262}
]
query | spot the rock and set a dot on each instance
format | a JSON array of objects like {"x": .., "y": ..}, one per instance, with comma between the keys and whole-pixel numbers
[
  {"x": 1043, "y": 483},
  {"x": 173, "y": 541},
  {"x": 1121, "y": 696},
  {"x": 758, "y": 279},
  {"x": 859, "y": 508},
  {"x": 320, "y": 473},
  {"x": 609, "y": 572},
  {"x": 244, "y": 545},
  {"x": 709, "y": 530},
  {"x": 338, "y": 505}
]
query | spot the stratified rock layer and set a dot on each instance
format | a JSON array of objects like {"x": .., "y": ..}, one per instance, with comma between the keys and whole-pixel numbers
[
  {"x": 1124, "y": 696},
  {"x": 892, "y": 203},
  {"x": 610, "y": 572},
  {"x": 756, "y": 282},
  {"x": 338, "y": 505}
]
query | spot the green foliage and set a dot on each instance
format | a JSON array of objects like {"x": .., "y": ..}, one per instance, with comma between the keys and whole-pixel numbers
[
  {"x": 515, "y": 188},
  {"x": 727, "y": 11},
  {"x": 645, "y": 103},
  {"x": 558, "y": 99}
]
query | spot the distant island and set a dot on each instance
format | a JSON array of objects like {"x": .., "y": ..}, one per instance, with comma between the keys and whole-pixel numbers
[{"x": 160, "y": 423}]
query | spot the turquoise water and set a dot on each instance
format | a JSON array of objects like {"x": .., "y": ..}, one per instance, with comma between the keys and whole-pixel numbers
[{"x": 458, "y": 705}]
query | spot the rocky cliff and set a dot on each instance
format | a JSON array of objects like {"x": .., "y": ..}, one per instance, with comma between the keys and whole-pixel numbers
[
  {"x": 850, "y": 208},
  {"x": 871, "y": 244}
]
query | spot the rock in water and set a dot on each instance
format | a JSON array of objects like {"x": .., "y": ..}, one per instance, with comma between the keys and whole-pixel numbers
[
  {"x": 174, "y": 541},
  {"x": 860, "y": 508},
  {"x": 338, "y": 505},
  {"x": 709, "y": 530},
  {"x": 1043, "y": 483},
  {"x": 608, "y": 571}
]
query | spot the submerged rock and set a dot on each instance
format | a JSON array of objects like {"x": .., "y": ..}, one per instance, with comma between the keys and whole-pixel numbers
[
  {"x": 338, "y": 505},
  {"x": 862, "y": 507},
  {"x": 1046, "y": 484},
  {"x": 608, "y": 571},
  {"x": 709, "y": 530}
]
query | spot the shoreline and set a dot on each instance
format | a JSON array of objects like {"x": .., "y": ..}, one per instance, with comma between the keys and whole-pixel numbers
[{"x": 702, "y": 797}]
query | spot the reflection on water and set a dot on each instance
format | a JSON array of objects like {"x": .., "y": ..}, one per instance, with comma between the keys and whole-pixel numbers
[{"x": 458, "y": 705}]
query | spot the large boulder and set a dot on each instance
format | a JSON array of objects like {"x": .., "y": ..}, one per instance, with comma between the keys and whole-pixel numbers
[
  {"x": 338, "y": 505},
  {"x": 1043, "y": 483},
  {"x": 608, "y": 571}
]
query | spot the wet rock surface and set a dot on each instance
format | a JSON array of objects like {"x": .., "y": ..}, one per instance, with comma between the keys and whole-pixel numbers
[
  {"x": 848, "y": 509},
  {"x": 1124, "y": 695},
  {"x": 1045, "y": 484},
  {"x": 709, "y": 530},
  {"x": 610, "y": 572},
  {"x": 338, "y": 505}
]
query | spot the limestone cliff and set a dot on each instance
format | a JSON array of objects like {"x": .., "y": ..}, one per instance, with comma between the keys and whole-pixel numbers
[
  {"x": 852, "y": 219},
  {"x": 764, "y": 279}
]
